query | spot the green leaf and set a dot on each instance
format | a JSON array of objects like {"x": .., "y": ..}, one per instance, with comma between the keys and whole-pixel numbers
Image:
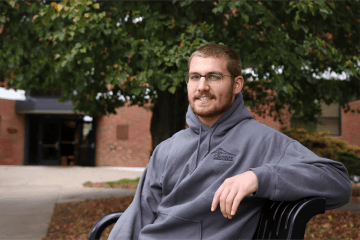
[
  {"x": 172, "y": 89},
  {"x": 61, "y": 36},
  {"x": 12, "y": 3},
  {"x": 245, "y": 17},
  {"x": 102, "y": 14},
  {"x": 295, "y": 26},
  {"x": 136, "y": 91},
  {"x": 96, "y": 5},
  {"x": 46, "y": 20},
  {"x": 87, "y": 60},
  {"x": 82, "y": 22},
  {"x": 77, "y": 18},
  {"x": 122, "y": 76},
  {"x": 107, "y": 31},
  {"x": 42, "y": 11},
  {"x": 324, "y": 13},
  {"x": 108, "y": 80}
]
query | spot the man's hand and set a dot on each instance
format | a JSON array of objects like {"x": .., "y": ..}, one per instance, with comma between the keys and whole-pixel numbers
[{"x": 233, "y": 191}]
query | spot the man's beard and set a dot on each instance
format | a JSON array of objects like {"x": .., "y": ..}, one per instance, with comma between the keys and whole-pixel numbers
[{"x": 215, "y": 110}]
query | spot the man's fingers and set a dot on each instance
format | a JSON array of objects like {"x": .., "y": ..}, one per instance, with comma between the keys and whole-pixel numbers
[
  {"x": 216, "y": 198},
  {"x": 229, "y": 198},
  {"x": 214, "y": 203},
  {"x": 223, "y": 198},
  {"x": 236, "y": 204},
  {"x": 229, "y": 203}
]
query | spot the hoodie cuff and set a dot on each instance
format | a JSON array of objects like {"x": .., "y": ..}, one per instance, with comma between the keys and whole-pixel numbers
[{"x": 266, "y": 184}]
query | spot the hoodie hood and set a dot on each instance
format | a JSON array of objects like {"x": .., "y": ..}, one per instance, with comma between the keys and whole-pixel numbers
[
  {"x": 211, "y": 136},
  {"x": 235, "y": 114}
]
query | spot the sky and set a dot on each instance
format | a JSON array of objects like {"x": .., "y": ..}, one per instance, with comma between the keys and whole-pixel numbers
[{"x": 12, "y": 94}]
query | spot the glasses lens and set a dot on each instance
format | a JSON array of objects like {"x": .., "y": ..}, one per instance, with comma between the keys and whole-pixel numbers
[
  {"x": 192, "y": 78},
  {"x": 187, "y": 78},
  {"x": 211, "y": 79},
  {"x": 214, "y": 79}
]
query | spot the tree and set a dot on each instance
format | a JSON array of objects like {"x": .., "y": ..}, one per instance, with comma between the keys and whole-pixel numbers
[{"x": 96, "y": 51}]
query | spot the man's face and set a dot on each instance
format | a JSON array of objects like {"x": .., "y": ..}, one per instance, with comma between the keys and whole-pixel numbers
[{"x": 209, "y": 102}]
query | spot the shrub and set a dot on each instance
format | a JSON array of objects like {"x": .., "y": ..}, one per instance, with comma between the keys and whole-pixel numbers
[
  {"x": 327, "y": 147},
  {"x": 351, "y": 162}
]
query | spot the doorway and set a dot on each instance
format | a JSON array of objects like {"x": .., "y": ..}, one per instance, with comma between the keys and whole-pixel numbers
[
  {"x": 60, "y": 140},
  {"x": 49, "y": 142}
]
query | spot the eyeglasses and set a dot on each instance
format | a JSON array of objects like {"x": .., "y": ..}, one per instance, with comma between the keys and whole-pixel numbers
[{"x": 211, "y": 79}]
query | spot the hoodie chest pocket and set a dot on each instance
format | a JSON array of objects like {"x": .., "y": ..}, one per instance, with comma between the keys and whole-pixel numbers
[{"x": 167, "y": 226}]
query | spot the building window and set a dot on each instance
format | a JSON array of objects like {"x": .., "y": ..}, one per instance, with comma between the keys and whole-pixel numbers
[
  {"x": 122, "y": 132},
  {"x": 330, "y": 120}
]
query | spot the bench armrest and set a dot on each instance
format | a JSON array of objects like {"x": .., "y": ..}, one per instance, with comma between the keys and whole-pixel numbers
[
  {"x": 288, "y": 219},
  {"x": 103, "y": 223}
]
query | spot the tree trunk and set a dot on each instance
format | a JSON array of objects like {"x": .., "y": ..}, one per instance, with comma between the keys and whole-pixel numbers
[{"x": 168, "y": 115}]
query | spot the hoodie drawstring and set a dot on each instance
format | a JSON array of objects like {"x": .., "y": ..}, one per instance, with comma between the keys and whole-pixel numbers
[
  {"x": 198, "y": 148},
  {"x": 210, "y": 139}
]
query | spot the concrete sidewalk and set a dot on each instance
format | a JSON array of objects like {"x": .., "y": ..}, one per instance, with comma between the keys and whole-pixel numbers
[{"x": 28, "y": 194}]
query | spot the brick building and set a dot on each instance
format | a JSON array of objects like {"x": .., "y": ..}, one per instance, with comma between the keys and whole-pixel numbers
[
  {"x": 350, "y": 124},
  {"x": 40, "y": 131},
  {"x": 12, "y": 134}
]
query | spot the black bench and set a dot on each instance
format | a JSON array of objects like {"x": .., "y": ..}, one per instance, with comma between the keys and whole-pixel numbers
[{"x": 279, "y": 220}]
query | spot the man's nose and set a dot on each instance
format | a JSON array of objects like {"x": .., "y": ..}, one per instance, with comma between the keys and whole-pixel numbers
[{"x": 203, "y": 84}]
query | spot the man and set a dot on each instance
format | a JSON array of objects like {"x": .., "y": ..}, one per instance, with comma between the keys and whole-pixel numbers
[{"x": 224, "y": 158}]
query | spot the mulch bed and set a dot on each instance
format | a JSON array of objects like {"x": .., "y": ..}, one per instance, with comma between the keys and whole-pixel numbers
[{"x": 74, "y": 220}]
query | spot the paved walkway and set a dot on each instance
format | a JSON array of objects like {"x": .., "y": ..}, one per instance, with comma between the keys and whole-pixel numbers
[{"x": 28, "y": 194}]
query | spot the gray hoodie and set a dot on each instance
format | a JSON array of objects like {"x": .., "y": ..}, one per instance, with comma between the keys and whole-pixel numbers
[{"x": 174, "y": 196}]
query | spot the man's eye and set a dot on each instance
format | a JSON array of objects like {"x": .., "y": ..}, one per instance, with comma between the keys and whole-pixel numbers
[
  {"x": 194, "y": 77},
  {"x": 213, "y": 77}
]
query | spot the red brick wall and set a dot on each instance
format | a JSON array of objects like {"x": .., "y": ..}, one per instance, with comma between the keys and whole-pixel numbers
[
  {"x": 269, "y": 121},
  {"x": 11, "y": 144},
  {"x": 350, "y": 125},
  {"x": 133, "y": 152}
]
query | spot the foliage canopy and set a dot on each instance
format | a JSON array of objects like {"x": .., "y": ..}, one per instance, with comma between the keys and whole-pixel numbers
[{"x": 96, "y": 51}]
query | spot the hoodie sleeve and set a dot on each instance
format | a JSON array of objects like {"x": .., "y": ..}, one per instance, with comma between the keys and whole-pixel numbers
[
  {"x": 300, "y": 173},
  {"x": 143, "y": 209}
]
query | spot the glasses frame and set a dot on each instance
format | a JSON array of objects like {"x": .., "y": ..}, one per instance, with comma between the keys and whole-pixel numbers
[{"x": 222, "y": 77}]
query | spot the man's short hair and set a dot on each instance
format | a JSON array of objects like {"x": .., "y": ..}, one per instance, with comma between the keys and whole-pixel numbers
[{"x": 219, "y": 51}]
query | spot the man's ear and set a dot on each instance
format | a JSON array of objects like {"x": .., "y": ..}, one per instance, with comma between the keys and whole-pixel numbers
[{"x": 238, "y": 84}]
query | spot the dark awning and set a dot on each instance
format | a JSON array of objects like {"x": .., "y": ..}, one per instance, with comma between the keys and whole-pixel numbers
[{"x": 43, "y": 106}]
